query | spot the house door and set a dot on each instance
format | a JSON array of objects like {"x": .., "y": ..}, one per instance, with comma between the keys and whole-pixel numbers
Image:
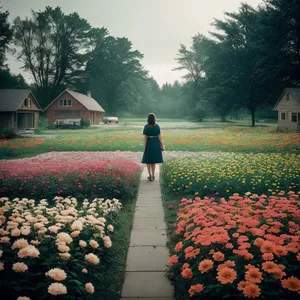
[
  {"x": 93, "y": 117},
  {"x": 25, "y": 120}
]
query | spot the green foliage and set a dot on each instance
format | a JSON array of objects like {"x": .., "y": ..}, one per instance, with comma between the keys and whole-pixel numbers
[
  {"x": 85, "y": 123},
  {"x": 8, "y": 133},
  {"x": 5, "y": 34}
]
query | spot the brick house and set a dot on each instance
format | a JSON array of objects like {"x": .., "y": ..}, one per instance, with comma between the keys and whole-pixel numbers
[
  {"x": 288, "y": 107},
  {"x": 19, "y": 109},
  {"x": 70, "y": 105}
]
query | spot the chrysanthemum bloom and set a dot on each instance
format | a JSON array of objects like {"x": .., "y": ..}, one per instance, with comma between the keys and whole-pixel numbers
[
  {"x": 53, "y": 228},
  {"x": 82, "y": 243},
  {"x": 20, "y": 267},
  {"x": 292, "y": 284},
  {"x": 185, "y": 265},
  {"x": 280, "y": 250},
  {"x": 178, "y": 247},
  {"x": 89, "y": 288},
  {"x": 1, "y": 266},
  {"x": 218, "y": 256},
  {"x": 226, "y": 275},
  {"x": 63, "y": 248},
  {"x": 93, "y": 244},
  {"x": 267, "y": 247},
  {"x": 205, "y": 265},
  {"x": 253, "y": 275},
  {"x": 107, "y": 242},
  {"x": 65, "y": 255},
  {"x": 110, "y": 228},
  {"x": 84, "y": 270},
  {"x": 196, "y": 288},
  {"x": 267, "y": 256},
  {"x": 19, "y": 244},
  {"x": 23, "y": 298},
  {"x": 57, "y": 289},
  {"x": 269, "y": 266},
  {"x": 92, "y": 258},
  {"x": 75, "y": 234},
  {"x": 187, "y": 273},
  {"x": 173, "y": 260},
  {"x": 29, "y": 251},
  {"x": 251, "y": 290},
  {"x": 229, "y": 246},
  {"x": 77, "y": 225},
  {"x": 15, "y": 232},
  {"x": 57, "y": 274},
  {"x": 64, "y": 237}
]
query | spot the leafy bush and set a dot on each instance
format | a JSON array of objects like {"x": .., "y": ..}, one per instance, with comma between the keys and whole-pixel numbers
[
  {"x": 6, "y": 153},
  {"x": 85, "y": 123},
  {"x": 82, "y": 179},
  {"x": 61, "y": 250},
  {"x": 8, "y": 133},
  {"x": 237, "y": 247},
  {"x": 224, "y": 175}
]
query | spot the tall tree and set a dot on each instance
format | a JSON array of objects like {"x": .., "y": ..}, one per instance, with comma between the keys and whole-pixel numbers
[
  {"x": 52, "y": 47},
  {"x": 113, "y": 64},
  {"x": 5, "y": 34}
]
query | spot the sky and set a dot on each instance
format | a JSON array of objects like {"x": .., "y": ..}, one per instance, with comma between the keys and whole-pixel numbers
[{"x": 155, "y": 27}]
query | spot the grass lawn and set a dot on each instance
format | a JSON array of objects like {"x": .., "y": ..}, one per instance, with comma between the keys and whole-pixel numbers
[{"x": 177, "y": 136}]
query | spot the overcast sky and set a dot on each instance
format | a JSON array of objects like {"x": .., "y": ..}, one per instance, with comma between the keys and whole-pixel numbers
[{"x": 155, "y": 27}]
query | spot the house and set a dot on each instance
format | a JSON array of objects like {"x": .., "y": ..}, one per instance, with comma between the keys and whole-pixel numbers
[
  {"x": 70, "y": 105},
  {"x": 288, "y": 107},
  {"x": 18, "y": 109}
]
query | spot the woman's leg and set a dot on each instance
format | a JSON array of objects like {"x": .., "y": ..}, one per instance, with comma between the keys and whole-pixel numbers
[
  {"x": 148, "y": 167},
  {"x": 153, "y": 170}
]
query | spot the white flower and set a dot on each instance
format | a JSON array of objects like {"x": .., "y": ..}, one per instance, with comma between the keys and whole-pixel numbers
[
  {"x": 57, "y": 289},
  {"x": 57, "y": 274},
  {"x": 92, "y": 258},
  {"x": 20, "y": 267},
  {"x": 89, "y": 288}
]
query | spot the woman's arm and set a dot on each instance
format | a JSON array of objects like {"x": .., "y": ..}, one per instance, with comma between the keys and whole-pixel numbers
[
  {"x": 161, "y": 142},
  {"x": 145, "y": 141}
]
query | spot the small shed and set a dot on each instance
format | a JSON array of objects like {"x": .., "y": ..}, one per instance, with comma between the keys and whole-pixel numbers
[
  {"x": 19, "y": 109},
  {"x": 288, "y": 107},
  {"x": 70, "y": 105}
]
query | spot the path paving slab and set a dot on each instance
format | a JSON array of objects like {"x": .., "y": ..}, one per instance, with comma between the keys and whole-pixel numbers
[
  {"x": 148, "y": 237},
  {"x": 147, "y": 259},
  {"x": 146, "y": 212},
  {"x": 146, "y": 284},
  {"x": 148, "y": 223}
]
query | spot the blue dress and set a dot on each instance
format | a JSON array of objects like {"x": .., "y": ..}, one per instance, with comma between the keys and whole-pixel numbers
[{"x": 152, "y": 153}]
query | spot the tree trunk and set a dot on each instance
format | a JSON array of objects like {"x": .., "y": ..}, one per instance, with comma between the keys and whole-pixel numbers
[{"x": 253, "y": 115}]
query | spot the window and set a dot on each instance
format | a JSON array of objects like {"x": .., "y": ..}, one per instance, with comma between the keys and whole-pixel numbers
[
  {"x": 65, "y": 103},
  {"x": 283, "y": 116},
  {"x": 27, "y": 102},
  {"x": 287, "y": 97},
  {"x": 294, "y": 117}
]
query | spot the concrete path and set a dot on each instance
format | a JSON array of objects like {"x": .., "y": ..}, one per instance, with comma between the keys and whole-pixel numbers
[{"x": 148, "y": 255}]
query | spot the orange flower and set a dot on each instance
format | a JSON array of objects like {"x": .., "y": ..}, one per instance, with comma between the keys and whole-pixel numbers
[
  {"x": 241, "y": 285},
  {"x": 218, "y": 256},
  {"x": 173, "y": 260},
  {"x": 196, "y": 288},
  {"x": 178, "y": 247},
  {"x": 280, "y": 251},
  {"x": 269, "y": 266},
  {"x": 267, "y": 247},
  {"x": 228, "y": 246},
  {"x": 185, "y": 265},
  {"x": 251, "y": 291},
  {"x": 268, "y": 256},
  {"x": 226, "y": 275},
  {"x": 205, "y": 265},
  {"x": 292, "y": 284},
  {"x": 187, "y": 273},
  {"x": 253, "y": 275}
]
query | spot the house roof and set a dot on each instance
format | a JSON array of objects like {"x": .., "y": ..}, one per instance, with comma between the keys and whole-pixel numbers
[
  {"x": 88, "y": 102},
  {"x": 295, "y": 92},
  {"x": 11, "y": 99}
]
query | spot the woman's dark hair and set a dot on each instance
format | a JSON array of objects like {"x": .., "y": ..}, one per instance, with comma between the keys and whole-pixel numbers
[{"x": 151, "y": 119}]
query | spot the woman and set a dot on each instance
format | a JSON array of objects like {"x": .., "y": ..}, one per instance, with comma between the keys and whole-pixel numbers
[{"x": 153, "y": 146}]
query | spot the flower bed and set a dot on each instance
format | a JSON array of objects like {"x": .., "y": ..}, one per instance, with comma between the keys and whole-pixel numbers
[
  {"x": 60, "y": 250},
  {"x": 243, "y": 247},
  {"x": 224, "y": 175},
  {"x": 87, "y": 178}
]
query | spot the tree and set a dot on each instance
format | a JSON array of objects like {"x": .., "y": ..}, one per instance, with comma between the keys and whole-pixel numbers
[
  {"x": 113, "y": 64},
  {"x": 5, "y": 35},
  {"x": 53, "y": 48}
]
